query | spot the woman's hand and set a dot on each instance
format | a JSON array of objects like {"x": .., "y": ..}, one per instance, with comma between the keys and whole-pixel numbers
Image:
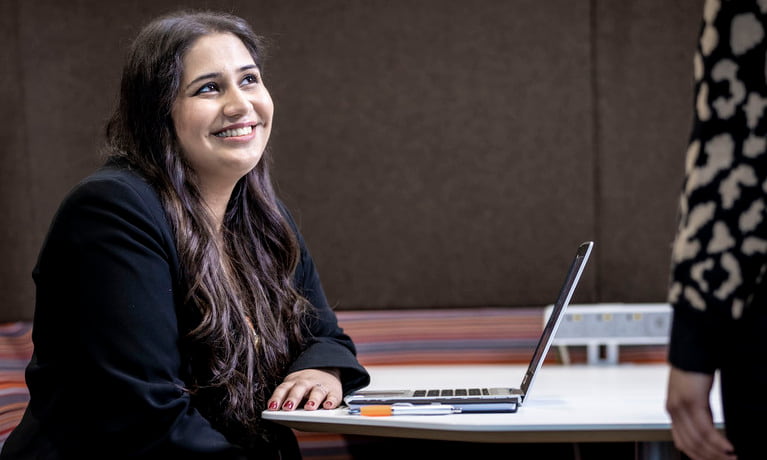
[
  {"x": 692, "y": 427},
  {"x": 318, "y": 387}
]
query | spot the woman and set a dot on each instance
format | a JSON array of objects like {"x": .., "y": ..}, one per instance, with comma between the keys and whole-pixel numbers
[
  {"x": 176, "y": 299},
  {"x": 719, "y": 259}
]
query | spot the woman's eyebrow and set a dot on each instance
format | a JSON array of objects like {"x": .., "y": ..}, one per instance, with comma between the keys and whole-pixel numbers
[
  {"x": 213, "y": 75},
  {"x": 207, "y": 76}
]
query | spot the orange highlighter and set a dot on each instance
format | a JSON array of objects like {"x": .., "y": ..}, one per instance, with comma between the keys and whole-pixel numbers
[{"x": 385, "y": 410}]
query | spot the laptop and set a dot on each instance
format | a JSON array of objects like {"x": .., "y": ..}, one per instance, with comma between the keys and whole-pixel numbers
[{"x": 486, "y": 399}]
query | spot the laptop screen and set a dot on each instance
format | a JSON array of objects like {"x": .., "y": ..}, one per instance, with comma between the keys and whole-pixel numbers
[{"x": 565, "y": 294}]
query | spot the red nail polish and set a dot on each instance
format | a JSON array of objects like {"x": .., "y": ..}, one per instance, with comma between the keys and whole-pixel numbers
[
  {"x": 328, "y": 404},
  {"x": 288, "y": 405},
  {"x": 310, "y": 404},
  {"x": 273, "y": 405}
]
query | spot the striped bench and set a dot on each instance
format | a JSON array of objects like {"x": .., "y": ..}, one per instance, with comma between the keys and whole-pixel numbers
[{"x": 15, "y": 352}]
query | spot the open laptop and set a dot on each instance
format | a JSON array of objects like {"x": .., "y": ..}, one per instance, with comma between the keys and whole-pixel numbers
[{"x": 487, "y": 399}]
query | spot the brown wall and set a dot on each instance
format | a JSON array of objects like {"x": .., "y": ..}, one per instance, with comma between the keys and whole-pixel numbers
[{"x": 435, "y": 153}]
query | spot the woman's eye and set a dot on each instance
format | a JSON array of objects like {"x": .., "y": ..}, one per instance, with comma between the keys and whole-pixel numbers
[
  {"x": 250, "y": 79},
  {"x": 207, "y": 88}
]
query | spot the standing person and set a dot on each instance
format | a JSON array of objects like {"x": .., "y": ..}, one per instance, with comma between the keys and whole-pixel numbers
[
  {"x": 176, "y": 299},
  {"x": 718, "y": 286}
]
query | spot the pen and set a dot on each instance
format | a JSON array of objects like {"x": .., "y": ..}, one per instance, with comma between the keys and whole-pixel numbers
[{"x": 403, "y": 409}]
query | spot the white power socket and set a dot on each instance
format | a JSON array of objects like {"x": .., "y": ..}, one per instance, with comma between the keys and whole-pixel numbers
[{"x": 610, "y": 325}]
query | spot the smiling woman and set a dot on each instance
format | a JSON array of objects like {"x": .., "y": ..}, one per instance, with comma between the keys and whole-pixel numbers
[{"x": 173, "y": 280}]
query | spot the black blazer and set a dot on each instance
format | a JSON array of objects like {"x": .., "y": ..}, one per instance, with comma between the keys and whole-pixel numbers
[{"x": 107, "y": 374}]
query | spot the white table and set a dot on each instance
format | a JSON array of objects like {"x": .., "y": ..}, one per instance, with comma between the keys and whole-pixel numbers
[{"x": 577, "y": 403}]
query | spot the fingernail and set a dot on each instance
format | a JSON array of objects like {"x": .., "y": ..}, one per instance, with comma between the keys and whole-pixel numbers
[
  {"x": 288, "y": 405},
  {"x": 273, "y": 405},
  {"x": 328, "y": 404},
  {"x": 310, "y": 404}
]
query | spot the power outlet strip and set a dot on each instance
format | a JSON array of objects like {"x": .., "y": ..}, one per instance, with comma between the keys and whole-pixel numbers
[{"x": 609, "y": 325}]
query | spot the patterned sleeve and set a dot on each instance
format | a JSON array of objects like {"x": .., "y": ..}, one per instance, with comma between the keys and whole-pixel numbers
[{"x": 718, "y": 256}]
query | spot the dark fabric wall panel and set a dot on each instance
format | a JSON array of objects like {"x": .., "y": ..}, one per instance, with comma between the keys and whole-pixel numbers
[
  {"x": 17, "y": 206},
  {"x": 71, "y": 58},
  {"x": 644, "y": 102},
  {"x": 436, "y": 153}
]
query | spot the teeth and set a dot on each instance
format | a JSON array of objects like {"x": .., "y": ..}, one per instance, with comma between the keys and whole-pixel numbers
[{"x": 235, "y": 132}]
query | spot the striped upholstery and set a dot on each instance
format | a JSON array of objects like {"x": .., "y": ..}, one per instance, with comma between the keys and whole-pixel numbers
[
  {"x": 443, "y": 336},
  {"x": 462, "y": 336},
  {"x": 15, "y": 352},
  {"x": 383, "y": 337}
]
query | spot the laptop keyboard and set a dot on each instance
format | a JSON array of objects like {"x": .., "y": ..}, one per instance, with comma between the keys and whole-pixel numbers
[{"x": 452, "y": 392}]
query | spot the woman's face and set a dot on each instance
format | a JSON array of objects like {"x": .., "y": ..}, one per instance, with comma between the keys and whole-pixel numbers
[{"x": 223, "y": 112}]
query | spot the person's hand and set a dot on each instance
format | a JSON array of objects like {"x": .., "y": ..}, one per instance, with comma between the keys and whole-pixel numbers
[
  {"x": 318, "y": 387},
  {"x": 692, "y": 425}
]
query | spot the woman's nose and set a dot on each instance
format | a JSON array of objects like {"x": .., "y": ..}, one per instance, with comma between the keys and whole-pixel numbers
[{"x": 237, "y": 103}]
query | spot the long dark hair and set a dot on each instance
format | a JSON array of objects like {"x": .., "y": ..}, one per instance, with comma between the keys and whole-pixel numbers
[{"x": 242, "y": 312}]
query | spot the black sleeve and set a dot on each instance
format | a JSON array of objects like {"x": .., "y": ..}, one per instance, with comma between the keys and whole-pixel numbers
[
  {"x": 327, "y": 345},
  {"x": 719, "y": 256},
  {"x": 106, "y": 375}
]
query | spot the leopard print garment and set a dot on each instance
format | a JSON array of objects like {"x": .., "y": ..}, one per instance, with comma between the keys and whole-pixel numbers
[{"x": 720, "y": 251}]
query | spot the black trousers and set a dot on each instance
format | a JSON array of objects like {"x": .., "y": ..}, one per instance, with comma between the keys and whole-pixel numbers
[{"x": 744, "y": 384}]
